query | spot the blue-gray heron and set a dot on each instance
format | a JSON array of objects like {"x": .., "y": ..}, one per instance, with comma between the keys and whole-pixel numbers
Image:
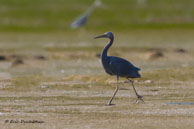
[
  {"x": 81, "y": 21},
  {"x": 118, "y": 66}
]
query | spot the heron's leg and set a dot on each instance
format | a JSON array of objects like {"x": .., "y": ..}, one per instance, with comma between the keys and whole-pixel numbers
[
  {"x": 139, "y": 97},
  {"x": 117, "y": 87}
]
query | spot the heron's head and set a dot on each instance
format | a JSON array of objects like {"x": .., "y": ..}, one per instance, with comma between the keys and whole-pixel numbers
[{"x": 106, "y": 35}]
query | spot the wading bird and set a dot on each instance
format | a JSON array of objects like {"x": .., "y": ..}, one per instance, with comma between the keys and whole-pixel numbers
[
  {"x": 118, "y": 66},
  {"x": 81, "y": 21}
]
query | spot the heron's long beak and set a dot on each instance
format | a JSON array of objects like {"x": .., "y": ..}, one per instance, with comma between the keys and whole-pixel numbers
[{"x": 100, "y": 36}]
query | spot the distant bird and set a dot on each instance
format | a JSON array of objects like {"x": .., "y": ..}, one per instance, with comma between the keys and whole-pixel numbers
[
  {"x": 118, "y": 66},
  {"x": 141, "y": 2},
  {"x": 81, "y": 20}
]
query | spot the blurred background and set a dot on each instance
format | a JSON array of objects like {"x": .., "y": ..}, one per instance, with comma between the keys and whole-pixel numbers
[
  {"x": 150, "y": 33},
  {"x": 123, "y": 15},
  {"x": 60, "y": 33}
]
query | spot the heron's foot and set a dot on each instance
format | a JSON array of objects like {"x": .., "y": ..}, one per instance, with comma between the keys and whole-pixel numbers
[
  {"x": 109, "y": 104},
  {"x": 139, "y": 98}
]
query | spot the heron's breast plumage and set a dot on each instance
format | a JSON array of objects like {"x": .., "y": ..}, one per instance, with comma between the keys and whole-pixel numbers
[{"x": 106, "y": 66}]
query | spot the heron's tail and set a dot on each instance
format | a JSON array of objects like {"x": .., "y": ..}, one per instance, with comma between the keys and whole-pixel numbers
[
  {"x": 138, "y": 75},
  {"x": 135, "y": 74}
]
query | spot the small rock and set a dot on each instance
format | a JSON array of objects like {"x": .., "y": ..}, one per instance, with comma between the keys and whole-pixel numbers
[
  {"x": 62, "y": 70},
  {"x": 154, "y": 90},
  {"x": 98, "y": 55},
  {"x": 17, "y": 61},
  {"x": 180, "y": 50},
  {"x": 148, "y": 81},
  {"x": 40, "y": 57},
  {"x": 2, "y": 58},
  {"x": 157, "y": 54},
  {"x": 44, "y": 86}
]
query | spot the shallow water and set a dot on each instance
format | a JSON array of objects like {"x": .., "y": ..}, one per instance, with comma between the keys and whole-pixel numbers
[{"x": 180, "y": 103}]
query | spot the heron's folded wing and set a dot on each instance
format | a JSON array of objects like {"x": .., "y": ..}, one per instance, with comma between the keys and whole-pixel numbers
[
  {"x": 119, "y": 67},
  {"x": 122, "y": 67}
]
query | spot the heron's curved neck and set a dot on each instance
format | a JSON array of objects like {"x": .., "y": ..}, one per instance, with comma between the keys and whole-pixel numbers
[{"x": 104, "y": 52}]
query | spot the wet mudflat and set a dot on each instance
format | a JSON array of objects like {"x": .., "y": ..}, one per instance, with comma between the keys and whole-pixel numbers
[{"x": 55, "y": 82}]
